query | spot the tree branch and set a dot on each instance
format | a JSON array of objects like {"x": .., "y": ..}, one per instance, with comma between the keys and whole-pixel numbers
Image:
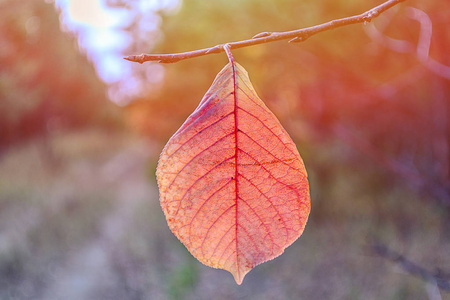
[
  {"x": 438, "y": 277},
  {"x": 298, "y": 35},
  {"x": 423, "y": 45}
]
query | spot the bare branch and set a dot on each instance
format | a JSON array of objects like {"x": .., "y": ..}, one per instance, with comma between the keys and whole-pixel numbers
[
  {"x": 298, "y": 35},
  {"x": 438, "y": 277},
  {"x": 423, "y": 46}
]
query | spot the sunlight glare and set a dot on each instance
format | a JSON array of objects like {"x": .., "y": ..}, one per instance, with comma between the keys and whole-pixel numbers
[{"x": 91, "y": 13}]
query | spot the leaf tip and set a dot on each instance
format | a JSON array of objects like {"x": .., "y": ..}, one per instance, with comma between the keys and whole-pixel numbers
[
  {"x": 240, "y": 274},
  {"x": 238, "y": 278}
]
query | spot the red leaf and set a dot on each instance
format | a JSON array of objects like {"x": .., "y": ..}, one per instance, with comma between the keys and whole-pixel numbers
[{"x": 233, "y": 186}]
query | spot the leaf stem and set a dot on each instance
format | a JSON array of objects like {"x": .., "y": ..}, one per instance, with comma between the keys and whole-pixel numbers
[
  {"x": 227, "y": 49},
  {"x": 298, "y": 35}
]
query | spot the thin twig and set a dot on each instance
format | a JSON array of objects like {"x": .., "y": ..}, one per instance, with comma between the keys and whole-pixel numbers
[
  {"x": 423, "y": 45},
  {"x": 439, "y": 277},
  {"x": 298, "y": 35}
]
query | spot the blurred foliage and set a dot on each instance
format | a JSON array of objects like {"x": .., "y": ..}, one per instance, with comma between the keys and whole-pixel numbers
[
  {"x": 337, "y": 84},
  {"x": 183, "y": 279},
  {"x": 46, "y": 84}
]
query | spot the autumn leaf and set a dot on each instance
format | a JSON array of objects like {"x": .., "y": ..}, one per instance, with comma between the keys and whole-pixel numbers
[{"x": 233, "y": 186}]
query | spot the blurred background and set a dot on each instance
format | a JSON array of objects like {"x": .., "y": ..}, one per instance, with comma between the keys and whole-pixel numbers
[{"x": 81, "y": 130}]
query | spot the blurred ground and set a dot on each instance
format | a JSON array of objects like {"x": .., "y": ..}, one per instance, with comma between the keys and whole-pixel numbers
[
  {"x": 80, "y": 219},
  {"x": 79, "y": 210}
]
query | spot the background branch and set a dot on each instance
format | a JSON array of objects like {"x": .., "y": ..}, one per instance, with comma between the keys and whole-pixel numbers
[
  {"x": 438, "y": 277},
  {"x": 298, "y": 35},
  {"x": 423, "y": 45}
]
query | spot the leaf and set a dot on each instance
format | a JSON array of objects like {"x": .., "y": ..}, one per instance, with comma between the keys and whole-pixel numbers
[{"x": 233, "y": 186}]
